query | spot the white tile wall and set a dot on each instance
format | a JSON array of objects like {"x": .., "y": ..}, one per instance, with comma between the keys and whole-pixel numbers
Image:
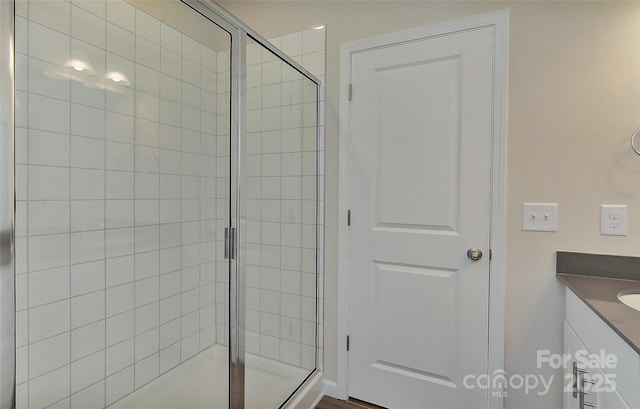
[{"x": 120, "y": 199}]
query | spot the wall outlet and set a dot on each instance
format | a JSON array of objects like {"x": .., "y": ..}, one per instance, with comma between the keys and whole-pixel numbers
[
  {"x": 613, "y": 220},
  {"x": 540, "y": 216}
]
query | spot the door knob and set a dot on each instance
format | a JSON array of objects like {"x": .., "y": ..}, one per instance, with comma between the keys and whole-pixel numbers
[{"x": 474, "y": 254}]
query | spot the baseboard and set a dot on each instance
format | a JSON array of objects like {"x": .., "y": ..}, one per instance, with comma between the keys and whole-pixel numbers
[
  {"x": 331, "y": 389},
  {"x": 318, "y": 399}
]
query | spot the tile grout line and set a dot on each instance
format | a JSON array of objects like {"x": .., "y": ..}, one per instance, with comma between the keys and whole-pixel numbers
[
  {"x": 68, "y": 227},
  {"x": 28, "y": 314},
  {"x": 181, "y": 79},
  {"x": 104, "y": 399},
  {"x": 135, "y": 256},
  {"x": 158, "y": 199},
  {"x": 200, "y": 210}
]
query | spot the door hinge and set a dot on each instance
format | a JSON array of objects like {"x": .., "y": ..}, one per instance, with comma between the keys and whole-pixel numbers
[
  {"x": 349, "y": 217},
  {"x": 490, "y": 254},
  {"x": 348, "y": 343},
  {"x": 350, "y": 92}
]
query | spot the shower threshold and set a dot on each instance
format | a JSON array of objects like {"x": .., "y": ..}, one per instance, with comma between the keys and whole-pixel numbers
[{"x": 202, "y": 382}]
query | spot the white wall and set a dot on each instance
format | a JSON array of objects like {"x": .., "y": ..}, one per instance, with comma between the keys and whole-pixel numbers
[{"x": 574, "y": 100}]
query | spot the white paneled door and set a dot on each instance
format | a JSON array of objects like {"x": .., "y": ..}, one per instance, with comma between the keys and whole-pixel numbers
[{"x": 421, "y": 132}]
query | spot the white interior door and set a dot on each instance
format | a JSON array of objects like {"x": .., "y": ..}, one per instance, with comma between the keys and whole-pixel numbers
[{"x": 421, "y": 132}]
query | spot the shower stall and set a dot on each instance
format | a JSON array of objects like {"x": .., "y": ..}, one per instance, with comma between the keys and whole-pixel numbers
[{"x": 159, "y": 211}]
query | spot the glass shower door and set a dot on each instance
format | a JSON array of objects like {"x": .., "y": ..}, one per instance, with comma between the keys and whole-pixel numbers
[
  {"x": 279, "y": 196},
  {"x": 123, "y": 196}
]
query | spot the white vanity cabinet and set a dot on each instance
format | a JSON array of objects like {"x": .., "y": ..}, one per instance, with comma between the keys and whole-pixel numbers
[
  {"x": 586, "y": 384},
  {"x": 603, "y": 370}
]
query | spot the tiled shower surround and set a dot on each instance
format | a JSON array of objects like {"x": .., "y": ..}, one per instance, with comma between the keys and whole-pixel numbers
[
  {"x": 121, "y": 180},
  {"x": 122, "y": 187}
]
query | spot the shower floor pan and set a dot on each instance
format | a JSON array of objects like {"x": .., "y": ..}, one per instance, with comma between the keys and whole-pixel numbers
[{"x": 201, "y": 382}]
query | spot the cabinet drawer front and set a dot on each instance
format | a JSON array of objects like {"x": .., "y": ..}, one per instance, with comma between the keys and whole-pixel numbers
[
  {"x": 601, "y": 397},
  {"x": 597, "y": 336}
]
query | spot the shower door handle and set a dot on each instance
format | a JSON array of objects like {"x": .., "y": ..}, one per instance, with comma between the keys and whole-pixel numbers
[
  {"x": 226, "y": 243},
  {"x": 229, "y": 243}
]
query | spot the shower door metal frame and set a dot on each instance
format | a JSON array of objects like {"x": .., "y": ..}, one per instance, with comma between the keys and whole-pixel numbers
[
  {"x": 7, "y": 209},
  {"x": 237, "y": 273},
  {"x": 236, "y": 279}
]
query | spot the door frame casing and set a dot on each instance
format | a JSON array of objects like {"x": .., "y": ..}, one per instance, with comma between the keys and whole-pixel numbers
[{"x": 499, "y": 22}]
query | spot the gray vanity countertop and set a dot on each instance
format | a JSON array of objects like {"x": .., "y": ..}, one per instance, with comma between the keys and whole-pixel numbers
[
  {"x": 597, "y": 279},
  {"x": 601, "y": 295}
]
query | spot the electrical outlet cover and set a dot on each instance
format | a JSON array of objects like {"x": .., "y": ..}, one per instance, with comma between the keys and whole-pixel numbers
[{"x": 613, "y": 220}]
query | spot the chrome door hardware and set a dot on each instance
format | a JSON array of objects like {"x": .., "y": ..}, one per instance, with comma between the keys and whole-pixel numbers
[
  {"x": 579, "y": 392},
  {"x": 226, "y": 243},
  {"x": 229, "y": 243},
  {"x": 576, "y": 372},
  {"x": 474, "y": 254}
]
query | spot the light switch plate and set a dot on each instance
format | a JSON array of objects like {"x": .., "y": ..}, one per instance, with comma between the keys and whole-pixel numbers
[
  {"x": 613, "y": 220},
  {"x": 540, "y": 216}
]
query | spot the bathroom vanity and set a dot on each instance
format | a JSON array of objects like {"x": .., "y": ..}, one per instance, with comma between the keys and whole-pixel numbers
[{"x": 601, "y": 333}]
